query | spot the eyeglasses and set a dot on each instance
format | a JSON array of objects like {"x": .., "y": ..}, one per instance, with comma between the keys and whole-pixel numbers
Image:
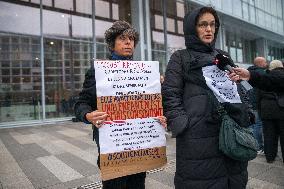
[{"x": 204, "y": 25}]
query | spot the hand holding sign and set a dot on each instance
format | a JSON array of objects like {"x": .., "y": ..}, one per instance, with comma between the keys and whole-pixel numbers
[
  {"x": 162, "y": 120},
  {"x": 96, "y": 118}
]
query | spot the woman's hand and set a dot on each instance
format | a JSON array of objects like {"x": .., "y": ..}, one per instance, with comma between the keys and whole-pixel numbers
[
  {"x": 162, "y": 120},
  {"x": 96, "y": 118}
]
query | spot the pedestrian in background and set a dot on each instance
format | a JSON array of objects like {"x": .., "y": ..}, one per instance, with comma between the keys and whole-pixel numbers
[
  {"x": 261, "y": 64},
  {"x": 272, "y": 115},
  {"x": 192, "y": 117}
]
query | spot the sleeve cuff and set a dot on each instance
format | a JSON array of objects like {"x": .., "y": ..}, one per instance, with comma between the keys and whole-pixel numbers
[
  {"x": 253, "y": 77},
  {"x": 178, "y": 125},
  {"x": 83, "y": 117}
]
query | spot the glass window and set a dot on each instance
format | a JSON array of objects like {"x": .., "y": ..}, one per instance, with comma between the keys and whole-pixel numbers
[
  {"x": 239, "y": 55},
  {"x": 217, "y": 3},
  {"x": 170, "y": 25},
  {"x": 227, "y": 6},
  {"x": 237, "y": 4},
  {"x": 280, "y": 25},
  {"x": 279, "y": 8},
  {"x": 267, "y": 5},
  {"x": 102, "y": 9},
  {"x": 252, "y": 14},
  {"x": 260, "y": 16},
  {"x": 233, "y": 54},
  {"x": 268, "y": 20},
  {"x": 56, "y": 24},
  {"x": 273, "y": 5},
  {"x": 115, "y": 14},
  {"x": 171, "y": 7},
  {"x": 46, "y": 2},
  {"x": 64, "y": 4},
  {"x": 19, "y": 19},
  {"x": 180, "y": 27},
  {"x": 63, "y": 72},
  {"x": 245, "y": 11},
  {"x": 260, "y": 4},
  {"x": 180, "y": 9},
  {"x": 274, "y": 23},
  {"x": 156, "y": 5},
  {"x": 21, "y": 98},
  {"x": 84, "y": 6},
  {"x": 5, "y": 71},
  {"x": 159, "y": 24}
]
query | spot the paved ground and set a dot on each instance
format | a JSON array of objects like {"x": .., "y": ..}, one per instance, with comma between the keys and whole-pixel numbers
[{"x": 63, "y": 156}]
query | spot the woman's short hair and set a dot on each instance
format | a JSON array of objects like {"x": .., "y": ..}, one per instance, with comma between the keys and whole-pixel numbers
[
  {"x": 275, "y": 64},
  {"x": 120, "y": 28},
  {"x": 210, "y": 10}
]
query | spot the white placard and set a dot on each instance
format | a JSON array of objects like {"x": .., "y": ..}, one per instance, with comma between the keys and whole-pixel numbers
[
  {"x": 125, "y": 77},
  {"x": 133, "y": 134},
  {"x": 223, "y": 88}
]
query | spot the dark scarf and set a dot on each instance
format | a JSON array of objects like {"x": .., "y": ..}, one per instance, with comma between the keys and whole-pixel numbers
[{"x": 115, "y": 56}]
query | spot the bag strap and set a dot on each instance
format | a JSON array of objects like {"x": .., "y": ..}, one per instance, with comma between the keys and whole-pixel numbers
[{"x": 220, "y": 108}]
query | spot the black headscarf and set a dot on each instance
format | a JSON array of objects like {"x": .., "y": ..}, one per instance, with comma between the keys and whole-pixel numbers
[{"x": 192, "y": 40}]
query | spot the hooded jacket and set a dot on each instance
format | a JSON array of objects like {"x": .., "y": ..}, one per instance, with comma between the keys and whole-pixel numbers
[{"x": 193, "y": 119}]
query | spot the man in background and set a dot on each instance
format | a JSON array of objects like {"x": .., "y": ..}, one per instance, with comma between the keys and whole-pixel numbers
[{"x": 260, "y": 64}]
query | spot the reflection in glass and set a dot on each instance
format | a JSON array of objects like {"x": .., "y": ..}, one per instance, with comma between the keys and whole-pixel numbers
[
  {"x": 64, "y": 74},
  {"x": 19, "y": 87}
]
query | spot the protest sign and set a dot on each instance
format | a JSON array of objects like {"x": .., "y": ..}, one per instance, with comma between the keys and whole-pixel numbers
[{"x": 131, "y": 140}]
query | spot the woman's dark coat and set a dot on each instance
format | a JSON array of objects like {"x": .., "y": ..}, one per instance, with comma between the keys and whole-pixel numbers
[{"x": 194, "y": 121}]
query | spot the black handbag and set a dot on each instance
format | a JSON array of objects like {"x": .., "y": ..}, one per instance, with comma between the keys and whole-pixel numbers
[{"x": 235, "y": 141}]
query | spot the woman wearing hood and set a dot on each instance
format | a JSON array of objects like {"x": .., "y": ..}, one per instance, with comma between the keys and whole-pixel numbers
[{"x": 190, "y": 77}]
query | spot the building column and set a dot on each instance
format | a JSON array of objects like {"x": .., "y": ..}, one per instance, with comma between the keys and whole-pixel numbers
[
  {"x": 137, "y": 17},
  {"x": 220, "y": 42}
]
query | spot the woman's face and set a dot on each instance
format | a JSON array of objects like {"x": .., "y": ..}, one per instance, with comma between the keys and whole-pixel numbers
[
  {"x": 206, "y": 27},
  {"x": 124, "y": 45}
]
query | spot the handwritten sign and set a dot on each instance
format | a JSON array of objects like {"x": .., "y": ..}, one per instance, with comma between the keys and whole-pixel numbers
[
  {"x": 223, "y": 88},
  {"x": 131, "y": 106},
  {"x": 118, "y": 78},
  {"x": 131, "y": 140},
  {"x": 132, "y": 134}
]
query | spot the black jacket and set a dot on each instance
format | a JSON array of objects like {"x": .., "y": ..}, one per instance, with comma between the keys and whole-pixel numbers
[
  {"x": 87, "y": 100},
  {"x": 194, "y": 121},
  {"x": 254, "y": 93},
  {"x": 268, "y": 81},
  {"x": 270, "y": 105}
]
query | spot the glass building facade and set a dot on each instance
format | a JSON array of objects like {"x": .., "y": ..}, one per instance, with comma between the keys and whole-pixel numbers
[{"x": 46, "y": 46}]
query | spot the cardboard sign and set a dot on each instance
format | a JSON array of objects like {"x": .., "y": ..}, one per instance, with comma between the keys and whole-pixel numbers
[{"x": 131, "y": 140}]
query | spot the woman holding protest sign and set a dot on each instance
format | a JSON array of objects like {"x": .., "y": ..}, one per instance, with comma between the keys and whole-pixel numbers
[{"x": 121, "y": 39}]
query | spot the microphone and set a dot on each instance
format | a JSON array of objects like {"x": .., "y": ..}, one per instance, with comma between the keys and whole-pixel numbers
[{"x": 224, "y": 63}]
